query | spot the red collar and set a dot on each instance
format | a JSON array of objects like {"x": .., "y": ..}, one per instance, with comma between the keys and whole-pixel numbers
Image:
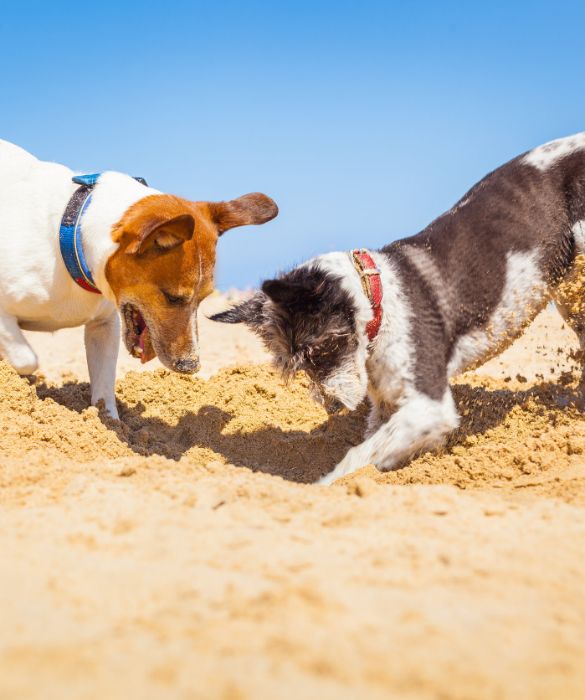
[{"x": 372, "y": 285}]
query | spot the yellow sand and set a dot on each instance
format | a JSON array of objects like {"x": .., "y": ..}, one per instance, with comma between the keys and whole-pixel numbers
[{"x": 146, "y": 559}]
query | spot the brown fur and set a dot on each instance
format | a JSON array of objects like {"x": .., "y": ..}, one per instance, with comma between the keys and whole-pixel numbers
[{"x": 167, "y": 245}]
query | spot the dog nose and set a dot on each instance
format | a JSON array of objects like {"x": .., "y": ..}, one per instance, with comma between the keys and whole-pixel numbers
[
  {"x": 186, "y": 366},
  {"x": 333, "y": 406}
]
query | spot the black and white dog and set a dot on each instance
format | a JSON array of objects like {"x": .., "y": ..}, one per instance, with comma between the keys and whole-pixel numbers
[{"x": 454, "y": 296}]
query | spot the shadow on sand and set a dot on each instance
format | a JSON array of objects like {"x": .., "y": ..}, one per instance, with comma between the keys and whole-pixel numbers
[{"x": 297, "y": 455}]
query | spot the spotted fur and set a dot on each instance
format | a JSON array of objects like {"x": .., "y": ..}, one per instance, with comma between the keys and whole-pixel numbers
[{"x": 455, "y": 295}]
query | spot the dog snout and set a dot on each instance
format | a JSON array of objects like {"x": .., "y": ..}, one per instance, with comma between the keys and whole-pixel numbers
[
  {"x": 187, "y": 365},
  {"x": 330, "y": 404}
]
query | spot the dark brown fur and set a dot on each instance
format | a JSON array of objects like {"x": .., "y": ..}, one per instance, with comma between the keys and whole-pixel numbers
[{"x": 516, "y": 208}]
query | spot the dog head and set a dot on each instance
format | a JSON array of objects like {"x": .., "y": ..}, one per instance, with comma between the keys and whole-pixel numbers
[
  {"x": 307, "y": 320},
  {"x": 163, "y": 268}
]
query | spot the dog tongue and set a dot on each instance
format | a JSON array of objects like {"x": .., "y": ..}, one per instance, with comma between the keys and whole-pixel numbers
[{"x": 146, "y": 346}]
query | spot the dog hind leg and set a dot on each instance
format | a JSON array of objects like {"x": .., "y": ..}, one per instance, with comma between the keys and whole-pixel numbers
[
  {"x": 14, "y": 347},
  {"x": 569, "y": 298},
  {"x": 576, "y": 322}
]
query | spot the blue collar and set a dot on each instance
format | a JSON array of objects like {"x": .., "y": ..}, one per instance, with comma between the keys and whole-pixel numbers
[{"x": 70, "y": 233}]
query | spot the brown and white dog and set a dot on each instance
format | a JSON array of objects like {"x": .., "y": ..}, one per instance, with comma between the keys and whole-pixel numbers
[
  {"x": 151, "y": 255},
  {"x": 452, "y": 296}
]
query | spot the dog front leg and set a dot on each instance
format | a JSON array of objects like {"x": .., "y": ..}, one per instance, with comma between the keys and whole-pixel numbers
[
  {"x": 374, "y": 420},
  {"x": 102, "y": 341},
  {"x": 420, "y": 424},
  {"x": 14, "y": 347},
  {"x": 380, "y": 413}
]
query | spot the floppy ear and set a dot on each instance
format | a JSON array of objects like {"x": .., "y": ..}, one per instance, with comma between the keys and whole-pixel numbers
[
  {"x": 282, "y": 291},
  {"x": 249, "y": 312},
  {"x": 255, "y": 208},
  {"x": 163, "y": 235}
]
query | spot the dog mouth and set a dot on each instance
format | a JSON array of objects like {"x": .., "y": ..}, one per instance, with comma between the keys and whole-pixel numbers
[{"x": 137, "y": 339}]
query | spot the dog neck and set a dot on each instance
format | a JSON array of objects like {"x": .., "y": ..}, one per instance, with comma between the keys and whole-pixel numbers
[
  {"x": 340, "y": 266},
  {"x": 372, "y": 285},
  {"x": 113, "y": 194}
]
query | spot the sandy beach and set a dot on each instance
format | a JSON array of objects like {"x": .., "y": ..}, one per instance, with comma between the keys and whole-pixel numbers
[{"x": 183, "y": 552}]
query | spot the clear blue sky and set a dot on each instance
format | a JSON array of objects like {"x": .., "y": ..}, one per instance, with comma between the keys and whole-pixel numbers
[{"x": 364, "y": 120}]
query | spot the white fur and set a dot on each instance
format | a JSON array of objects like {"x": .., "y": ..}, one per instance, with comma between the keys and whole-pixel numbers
[
  {"x": 393, "y": 336},
  {"x": 102, "y": 339},
  {"x": 341, "y": 265},
  {"x": 349, "y": 384},
  {"x": 578, "y": 231},
  {"x": 383, "y": 369},
  {"x": 550, "y": 153},
  {"x": 112, "y": 196},
  {"x": 463, "y": 203},
  {"x": 404, "y": 421},
  {"x": 419, "y": 424},
  {"x": 523, "y": 282},
  {"x": 430, "y": 272},
  {"x": 36, "y": 291},
  {"x": 390, "y": 361}
]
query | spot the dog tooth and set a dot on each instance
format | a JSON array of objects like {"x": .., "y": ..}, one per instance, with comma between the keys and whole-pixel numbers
[{"x": 138, "y": 349}]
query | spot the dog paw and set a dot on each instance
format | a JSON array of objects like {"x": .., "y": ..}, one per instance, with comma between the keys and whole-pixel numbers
[
  {"x": 108, "y": 406},
  {"x": 326, "y": 480}
]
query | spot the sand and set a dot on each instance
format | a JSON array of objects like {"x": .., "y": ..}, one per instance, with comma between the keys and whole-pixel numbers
[{"x": 185, "y": 553}]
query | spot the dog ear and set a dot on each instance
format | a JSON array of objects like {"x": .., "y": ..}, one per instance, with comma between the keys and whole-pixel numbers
[
  {"x": 163, "y": 235},
  {"x": 282, "y": 291},
  {"x": 249, "y": 312},
  {"x": 255, "y": 208},
  {"x": 293, "y": 293}
]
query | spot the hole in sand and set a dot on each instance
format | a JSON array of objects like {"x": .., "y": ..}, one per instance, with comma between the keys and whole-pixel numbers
[{"x": 510, "y": 432}]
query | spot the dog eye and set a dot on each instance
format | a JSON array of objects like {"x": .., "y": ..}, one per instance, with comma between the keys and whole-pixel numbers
[
  {"x": 311, "y": 355},
  {"x": 176, "y": 300}
]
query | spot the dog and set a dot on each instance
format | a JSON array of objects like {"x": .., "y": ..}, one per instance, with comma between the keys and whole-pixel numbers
[
  {"x": 85, "y": 250},
  {"x": 398, "y": 323}
]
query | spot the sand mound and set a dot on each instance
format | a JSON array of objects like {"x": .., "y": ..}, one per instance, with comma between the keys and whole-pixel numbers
[
  {"x": 244, "y": 416},
  {"x": 511, "y": 437},
  {"x": 147, "y": 558}
]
